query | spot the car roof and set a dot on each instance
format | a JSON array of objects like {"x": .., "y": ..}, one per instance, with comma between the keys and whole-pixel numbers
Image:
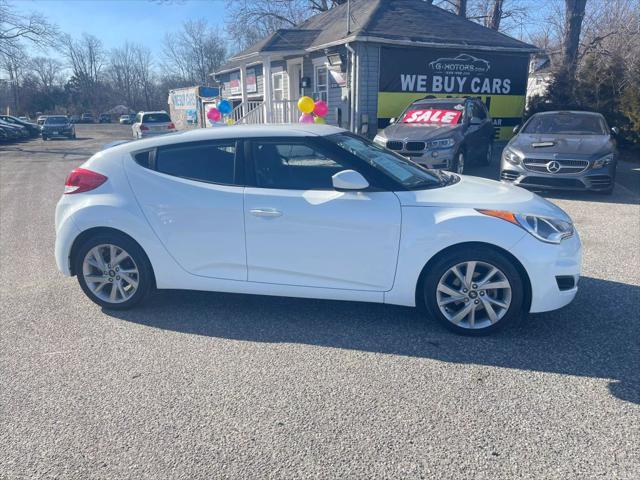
[
  {"x": 233, "y": 132},
  {"x": 566, "y": 112},
  {"x": 155, "y": 111}
]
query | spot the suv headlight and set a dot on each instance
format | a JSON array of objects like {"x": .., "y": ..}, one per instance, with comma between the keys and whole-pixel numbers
[
  {"x": 380, "y": 140},
  {"x": 603, "y": 161},
  {"x": 511, "y": 156},
  {"x": 545, "y": 229},
  {"x": 440, "y": 143}
]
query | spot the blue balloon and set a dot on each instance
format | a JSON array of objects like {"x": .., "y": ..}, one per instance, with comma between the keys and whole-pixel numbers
[{"x": 225, "y": 107}]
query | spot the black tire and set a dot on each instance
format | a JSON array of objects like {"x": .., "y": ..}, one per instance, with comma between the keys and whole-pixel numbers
[
  {"x": 146, "y": 282},
  {"x": 44, "y": 138},
  {"x": 480, "y": 254},
  {"x": 488, "y": 157},
  {"x": 459, "y": 158}
]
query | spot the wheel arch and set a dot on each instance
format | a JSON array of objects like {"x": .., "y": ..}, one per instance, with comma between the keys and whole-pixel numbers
[
  {"x": 526, "y": 304},
  {"x": 95, "y": 231}
]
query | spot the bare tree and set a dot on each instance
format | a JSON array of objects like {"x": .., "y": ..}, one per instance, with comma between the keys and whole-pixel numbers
[
  {"x": 86, "y": 58},
  {"x": 493, "y": 21},
  {"x": 48, "y": 72},
  {"x": 194, "y": 53},
  {"x": 574, "y": 15},
  {"x": 143, "y": 66},
  {"x": 32, "y": 28}
]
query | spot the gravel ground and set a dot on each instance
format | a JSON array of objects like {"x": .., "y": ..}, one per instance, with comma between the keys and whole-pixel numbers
[{"x": 205, "y": 385}]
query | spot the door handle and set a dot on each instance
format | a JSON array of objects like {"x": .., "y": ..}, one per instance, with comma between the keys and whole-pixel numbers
[{"x": 265, "y": 212}]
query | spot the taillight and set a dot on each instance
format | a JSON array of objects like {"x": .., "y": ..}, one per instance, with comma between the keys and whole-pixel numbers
[
  {"x": 144, "y": 127},
  {"x": 82, "y": 180},
  {"x": 171, "y": 126}
]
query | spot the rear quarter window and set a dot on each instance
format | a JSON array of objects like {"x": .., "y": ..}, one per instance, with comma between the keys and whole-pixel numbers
[
  {"x": 155, "y": 118},
  {"x": 212, "y": 162}
]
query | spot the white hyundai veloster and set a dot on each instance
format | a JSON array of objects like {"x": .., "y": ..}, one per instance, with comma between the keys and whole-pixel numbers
[{"x": 311, "y": 211}]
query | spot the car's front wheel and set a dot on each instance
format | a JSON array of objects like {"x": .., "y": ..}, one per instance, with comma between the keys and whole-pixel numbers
[
  {"x": 458, "y": 163},
  {"x": 113, "y": 271},
  {"x": 475, "y": 291},
  {"x": 488, "y": 155}
]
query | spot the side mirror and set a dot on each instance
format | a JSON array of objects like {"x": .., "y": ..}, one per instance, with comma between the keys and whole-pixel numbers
[
  {"x": 349, "y": 180},
  {"x": 392, "y": 120},
  {"x": 516, "y": 129},
  {"x": 475, "y": 121},
  {"x": 615, "y": 131}
]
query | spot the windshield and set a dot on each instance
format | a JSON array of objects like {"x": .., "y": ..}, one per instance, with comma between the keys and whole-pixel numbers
[
  {"x": 408, "y": 174},
  {"x": 155, "y": 118},
  {"x": 447, "y": 113},
  {"x": 56, "y": 120},
  {"x": 566, "y": 123}
]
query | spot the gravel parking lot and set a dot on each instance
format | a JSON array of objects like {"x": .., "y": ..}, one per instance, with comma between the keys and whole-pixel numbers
[{"x": 206, "y": 385}]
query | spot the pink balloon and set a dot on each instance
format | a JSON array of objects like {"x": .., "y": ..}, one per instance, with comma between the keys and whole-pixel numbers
[
  {"x": 306, "y": 118},
  {"x": 320, "y": 108},
  {"x": 214, "y": 114}
]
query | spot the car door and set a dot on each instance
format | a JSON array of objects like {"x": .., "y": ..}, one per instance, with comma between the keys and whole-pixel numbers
[
  {"x": 192, "y": 196},
  {"x": 300, "y": 231}
]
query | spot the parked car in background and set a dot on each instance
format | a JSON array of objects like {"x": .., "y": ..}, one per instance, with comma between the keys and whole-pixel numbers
[
  {"x": 9, "y": 133},
  {"x": 25, "y": 119},
  {"x": 147, "y": 124},
  {"x": 86, "y": 118},
  {"x": 567, "y": 150},
  {"x": 40, "y": 120},
  {"x": 32, "y": 128},
  {"x": 20, "y": 131},
  {"x": 125, "y": 119},
  {"x": 104, "y": 118},
  {"x": 311, "y": 211},
  {"x": 442, "y": 133},
  {"x": 4, "y": 136},
  {"x": 56, "y": 126},
  {"x": 74, "y": 118}
]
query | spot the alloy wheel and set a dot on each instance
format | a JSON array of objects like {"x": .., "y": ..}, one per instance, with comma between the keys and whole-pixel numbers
[
  {"x": 474, "y": 294},
  {"x": 460, "y": 164},
  {"x": 489, "y": 153},
  {"x": 110, "y": 273}
]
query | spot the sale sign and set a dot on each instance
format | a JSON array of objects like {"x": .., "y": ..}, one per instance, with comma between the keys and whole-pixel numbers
[{"x": 449, "y": 117}]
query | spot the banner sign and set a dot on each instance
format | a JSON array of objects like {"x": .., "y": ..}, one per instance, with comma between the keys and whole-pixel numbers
[
  {"x": 183, "y": 98},
  {"x": 448, "y": 117},
  {"x": 252, "y": 81},
  {"x": 499, "y": 79}
]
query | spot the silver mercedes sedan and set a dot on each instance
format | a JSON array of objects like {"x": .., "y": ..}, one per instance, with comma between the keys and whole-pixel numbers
[{"x": 567, "y": 150}]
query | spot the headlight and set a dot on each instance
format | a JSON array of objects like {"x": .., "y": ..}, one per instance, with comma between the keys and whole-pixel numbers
[
  {"x": 603, "y": 162},
  {"x": 441, "y": 143},
  {"x": 380, "y": 140},
  {"x": 511, "y": 156},
  {"x": 545, "y": 229}
]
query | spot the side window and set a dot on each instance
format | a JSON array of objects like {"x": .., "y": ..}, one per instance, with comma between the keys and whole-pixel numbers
[
  {"x": 293, "y": 166},
  {"x": 478, "y": 111},
  {"x": 138, "y": 118},
  {"x": 207, "y": 162}
]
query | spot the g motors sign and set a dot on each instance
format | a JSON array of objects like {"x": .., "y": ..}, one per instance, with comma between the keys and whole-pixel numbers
[{"x": 500, "y": 79}]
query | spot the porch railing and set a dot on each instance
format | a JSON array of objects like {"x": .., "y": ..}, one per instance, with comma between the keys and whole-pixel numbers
[
  {"x": 255, "y": 112},
  {"x": 251, "y": 112},
  {"x": 284, "y": 111}
]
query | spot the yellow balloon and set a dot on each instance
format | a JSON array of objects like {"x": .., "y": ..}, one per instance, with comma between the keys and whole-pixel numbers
[
  {"x": 306, "y": 105},
  {"x": 230, "y": 121},
  {"x": 319, "y": 120}
]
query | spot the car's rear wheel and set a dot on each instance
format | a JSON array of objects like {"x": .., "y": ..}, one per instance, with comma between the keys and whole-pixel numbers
[
  {"x": 113, "y": 271},
  {"x": 474, "y": 292},
  {"x": 488, "y": 158},
  {"x": 44, "y": 138},
  {"x": 458, "y": 163}
]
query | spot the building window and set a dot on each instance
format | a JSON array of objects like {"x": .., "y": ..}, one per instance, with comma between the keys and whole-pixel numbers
[
  {"x": 321, "y": 83},
  {"x": 278, "y": 86}
]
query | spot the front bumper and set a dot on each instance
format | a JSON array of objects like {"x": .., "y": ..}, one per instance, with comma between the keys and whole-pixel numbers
[
  {"x": 600, "y": 179},
  {"x": 57, "y": 133},
  {"x": 436, "y": 158},
  {"x": 550, "y": 268}
]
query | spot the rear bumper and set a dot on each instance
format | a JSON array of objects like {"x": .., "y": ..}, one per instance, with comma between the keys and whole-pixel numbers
[{"x": 549, "y": 269}]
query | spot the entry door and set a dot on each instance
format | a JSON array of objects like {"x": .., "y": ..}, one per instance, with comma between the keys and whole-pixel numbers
[
  {"x": 300, "y": 231},
  {"x": 189, "y": 196}
]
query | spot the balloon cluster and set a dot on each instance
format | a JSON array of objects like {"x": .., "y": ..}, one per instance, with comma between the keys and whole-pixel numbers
[
  {"x": 221, "y": 112},
  {"x": 312, "y": 112}
]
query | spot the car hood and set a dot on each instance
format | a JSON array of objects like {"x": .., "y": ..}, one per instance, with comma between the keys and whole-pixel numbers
[
  {"x": 576, "y": 145},
  {"x": 475, "y": 192},
  {"x": 413, "y": 131}
]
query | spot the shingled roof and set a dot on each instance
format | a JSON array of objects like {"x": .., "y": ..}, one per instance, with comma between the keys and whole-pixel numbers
[{"x": 402, "y": 22}]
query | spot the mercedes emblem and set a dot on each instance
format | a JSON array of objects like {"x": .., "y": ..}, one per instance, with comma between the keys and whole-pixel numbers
[{"x": 553, "y": 167}]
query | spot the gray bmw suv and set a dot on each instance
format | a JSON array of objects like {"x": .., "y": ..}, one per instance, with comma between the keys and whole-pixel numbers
[
  {"x": 562, "y": 150},
  {"x": 442, "y": 133}
]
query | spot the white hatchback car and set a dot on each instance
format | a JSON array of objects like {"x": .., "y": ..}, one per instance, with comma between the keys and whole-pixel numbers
[{"x": 311, "y": 211}]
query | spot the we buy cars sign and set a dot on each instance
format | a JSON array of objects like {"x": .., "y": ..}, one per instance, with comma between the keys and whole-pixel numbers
[{"x": 447, "y": 117}]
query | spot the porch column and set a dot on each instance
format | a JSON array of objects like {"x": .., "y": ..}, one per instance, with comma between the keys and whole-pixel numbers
[
  {"x": 243, "y": 84},
  {"x": 268, "y": 95}
]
